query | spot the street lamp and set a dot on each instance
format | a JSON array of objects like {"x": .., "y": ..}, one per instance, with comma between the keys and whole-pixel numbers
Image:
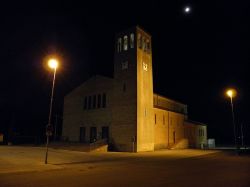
[
  {"x": 232, "y": 93},
  {"x": 53, "y": 64}
]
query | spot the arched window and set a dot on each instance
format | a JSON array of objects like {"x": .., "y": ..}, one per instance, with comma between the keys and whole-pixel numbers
[
  {"x": 85, "y": 103},
  {"x": 104, "y": 100},
  {"x": 119, "y": 45},
  {"x": 125, "y": 43},
  {"x": 89, "y": 102},
  {"x": 94, "y": 101},
  {"x": 132, "y": 40},
  {"x": 99, "y": 101}
]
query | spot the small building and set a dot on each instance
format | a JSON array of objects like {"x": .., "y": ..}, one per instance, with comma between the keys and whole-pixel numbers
[
  {"x": 196, "y": 133},
  {"x": 124, "y": 110}
]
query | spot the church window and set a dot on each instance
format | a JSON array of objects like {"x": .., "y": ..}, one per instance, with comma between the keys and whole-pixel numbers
[
  {"x": 139, "y": 41},
  {"x": 98, "y": 101},
  {"x": 155, "y": 118},
  {"x": 125, "y": 43},
  {"x": 119, "y": 45},
  {"x": 132, "y": 40},
  {"x": 104, "y": 100},
  {"x": 89, "y": 102},
  {"x": 94, "y": 101},
  {"x": 85, "y": 103},
  {"x": 163, "y": 120}
]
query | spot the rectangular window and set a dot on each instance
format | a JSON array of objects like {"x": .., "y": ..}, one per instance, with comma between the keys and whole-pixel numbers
[
  {"x": 85, "y": 103},
  {"x": 125, "y": 43},
  {"x": 132, "y": 40},
  {"x": 99, "y": 101},
  {"x": 94, "y": 101},
  {"x": 104, "y": 100},
  {"x": 89, "y": 102},
  {"x": 155, "y": 118},
  {"x": 163, "y": 120},
  {"x": 119, "y": 45}
]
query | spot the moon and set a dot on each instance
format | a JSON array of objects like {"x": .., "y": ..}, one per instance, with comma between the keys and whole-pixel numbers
[{"x": 187, "y": 9}]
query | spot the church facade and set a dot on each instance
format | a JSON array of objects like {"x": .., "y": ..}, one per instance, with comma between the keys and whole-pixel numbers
[{"x": 124, "y": 110}]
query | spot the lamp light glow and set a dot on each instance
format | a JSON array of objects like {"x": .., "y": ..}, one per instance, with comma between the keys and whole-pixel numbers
[
  {"x": 231, "y": 93},
  {"x": 53, "y": 63}
]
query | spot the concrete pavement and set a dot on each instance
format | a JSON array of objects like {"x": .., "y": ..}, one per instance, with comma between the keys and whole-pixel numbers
[
  {"x": 25, "y": 158},
  {"x": 24, "y": 166}
]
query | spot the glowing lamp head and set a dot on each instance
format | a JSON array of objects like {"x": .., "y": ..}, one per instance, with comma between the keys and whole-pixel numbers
[
  {"x": 231, "y": 93},
  {"x": 53, "y": 63}
]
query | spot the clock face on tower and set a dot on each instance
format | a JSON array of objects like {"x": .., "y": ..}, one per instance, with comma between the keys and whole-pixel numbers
[{"x": 145, "y": 66}]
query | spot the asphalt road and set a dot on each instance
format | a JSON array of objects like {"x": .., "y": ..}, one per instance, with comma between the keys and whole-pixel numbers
[{"x": 24, "y": 166}]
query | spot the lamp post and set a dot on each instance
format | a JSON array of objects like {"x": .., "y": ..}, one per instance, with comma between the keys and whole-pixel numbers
[
  {"x": 52, "y": 63},
  {"x": 232, "y": 93}
]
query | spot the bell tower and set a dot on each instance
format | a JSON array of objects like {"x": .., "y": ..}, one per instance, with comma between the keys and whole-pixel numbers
[{"x": 133, "y": 126}]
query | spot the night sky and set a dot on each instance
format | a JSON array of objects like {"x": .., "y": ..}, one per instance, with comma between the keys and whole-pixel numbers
[{"x": 196, "y": 56}]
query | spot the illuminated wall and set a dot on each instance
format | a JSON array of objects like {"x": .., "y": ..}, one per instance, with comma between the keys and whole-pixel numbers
[{"x": 169, "y": 128}]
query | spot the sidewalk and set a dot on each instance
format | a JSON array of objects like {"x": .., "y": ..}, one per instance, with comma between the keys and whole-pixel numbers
[
  {"x": 30, "y": 159},
  {"x": 23, "y": 159}
]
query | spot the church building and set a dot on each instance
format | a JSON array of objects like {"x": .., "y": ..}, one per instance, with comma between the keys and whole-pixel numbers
[{"x": 124, "y": 111}]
